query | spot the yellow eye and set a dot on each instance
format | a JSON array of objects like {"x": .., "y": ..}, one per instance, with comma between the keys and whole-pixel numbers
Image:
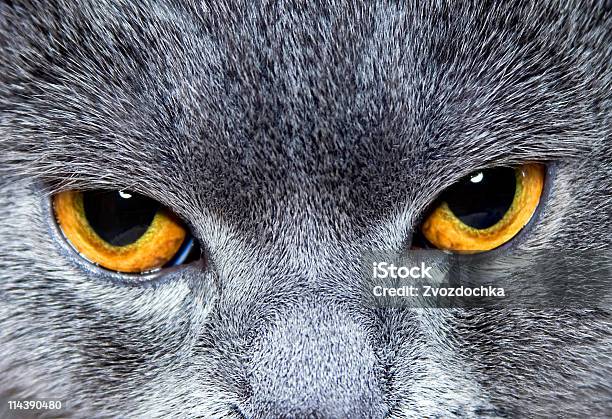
[
  {"x": 120, "y": 231},
  {"x": 486, "y": 209}
]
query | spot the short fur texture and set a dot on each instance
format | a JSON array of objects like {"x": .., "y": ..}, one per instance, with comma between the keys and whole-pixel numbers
[{"x": 293, "y": 136}]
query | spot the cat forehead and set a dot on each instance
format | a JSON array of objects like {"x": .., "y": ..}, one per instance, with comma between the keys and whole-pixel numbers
[{"x": 237, "y": 94}]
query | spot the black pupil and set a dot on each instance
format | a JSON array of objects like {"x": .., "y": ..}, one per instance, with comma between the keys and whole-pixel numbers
[
  {"x": 120, "y": 218},
  {"x": 481, "y": 199}
]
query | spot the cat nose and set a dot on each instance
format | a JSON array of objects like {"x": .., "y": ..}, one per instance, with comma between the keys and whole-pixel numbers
[{"x": 314, "y": 363}]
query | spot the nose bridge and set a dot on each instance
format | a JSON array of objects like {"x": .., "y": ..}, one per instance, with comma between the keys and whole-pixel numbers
[{"x": 314, "y": 361}]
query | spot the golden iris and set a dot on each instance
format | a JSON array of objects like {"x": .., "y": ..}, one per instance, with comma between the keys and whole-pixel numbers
[
  {"x": 463, "y": 221},
  {"x": 120, "y": 231}
]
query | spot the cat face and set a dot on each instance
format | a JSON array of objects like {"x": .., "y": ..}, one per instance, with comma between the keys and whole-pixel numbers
[{"x": 292, "y": 139}]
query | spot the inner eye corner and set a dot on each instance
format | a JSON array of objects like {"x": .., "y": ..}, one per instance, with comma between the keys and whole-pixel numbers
[{"x": 124, "y": 232}]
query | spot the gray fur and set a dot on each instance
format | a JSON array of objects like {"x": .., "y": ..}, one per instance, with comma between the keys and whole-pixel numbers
[{"x": 292, "y": 137}]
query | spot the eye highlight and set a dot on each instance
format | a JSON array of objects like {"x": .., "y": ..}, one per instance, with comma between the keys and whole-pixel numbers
[
  {"x": 486, "y": 209},
  {"x": 122, "y": 231}
]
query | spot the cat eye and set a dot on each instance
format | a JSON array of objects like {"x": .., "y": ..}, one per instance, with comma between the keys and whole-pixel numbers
[
  {"x": 123, "y": 231},
  {"x": 485, "y": 209}
]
